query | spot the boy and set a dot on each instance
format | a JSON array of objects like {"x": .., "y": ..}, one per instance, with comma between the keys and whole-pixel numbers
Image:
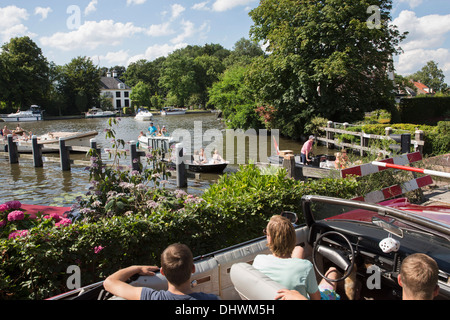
[
  {"x": 177, "y": 264},
  {"x": 419, "y": 277}
]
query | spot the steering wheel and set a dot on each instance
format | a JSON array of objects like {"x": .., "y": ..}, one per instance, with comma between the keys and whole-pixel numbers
[{"x": 335, "y": 256}]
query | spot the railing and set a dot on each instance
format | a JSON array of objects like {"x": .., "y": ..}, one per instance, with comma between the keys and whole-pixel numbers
[{"x": 331, "y": 143}]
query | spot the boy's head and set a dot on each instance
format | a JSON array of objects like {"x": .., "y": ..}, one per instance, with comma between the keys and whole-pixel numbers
[
  {"x": 177, "y": 263},
  {"x": 282, "y": 236},
  {"x": 419, "y": 277}
]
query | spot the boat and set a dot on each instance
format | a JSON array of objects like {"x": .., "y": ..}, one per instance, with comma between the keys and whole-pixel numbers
[
  {"x": 320, "y": 161},
  {"x": 32, "y": 114},
  {"x": 50, "y": 141},
  {"x": 332, "y": 232},
  {"x": 172, "y": 111},
  {"x": 143, "y": 115},
  {"x": 99, "y": 113},
  {"x": 207, "y": 167}
]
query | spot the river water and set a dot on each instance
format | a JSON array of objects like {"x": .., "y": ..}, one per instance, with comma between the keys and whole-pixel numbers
[{"x": 52, "y": 186}]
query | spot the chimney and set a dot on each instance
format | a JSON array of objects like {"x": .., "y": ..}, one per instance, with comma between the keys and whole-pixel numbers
[{"x": 114, "y": 73}]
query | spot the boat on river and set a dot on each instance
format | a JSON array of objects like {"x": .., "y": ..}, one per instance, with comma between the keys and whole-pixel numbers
[
  {"x": 50, "y": 141},
  {"x": 207, "y": 167},
  {"x": 170, "y": 111},
  {"x": 32, "y": 114},
  {"x": 143, "y": 115},
  {"x": 99, "y": 113}
]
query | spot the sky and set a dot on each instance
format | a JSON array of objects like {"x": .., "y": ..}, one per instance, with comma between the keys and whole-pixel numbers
[{"x": 119, "y": 32}]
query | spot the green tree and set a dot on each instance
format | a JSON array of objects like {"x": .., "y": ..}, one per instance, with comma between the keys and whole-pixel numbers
[
  {"x": 24, "y": 79},
  {"x": 326, "y": 60},
  {"x": 79, "y": 84},
  {"x": 431, "y": 76},
  {"x": 141, "y": 95}
]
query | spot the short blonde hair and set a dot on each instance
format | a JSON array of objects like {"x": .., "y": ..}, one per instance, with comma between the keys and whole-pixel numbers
[
  {"x": 419, "y": 275},
  {"x": 282, "y": 235}
]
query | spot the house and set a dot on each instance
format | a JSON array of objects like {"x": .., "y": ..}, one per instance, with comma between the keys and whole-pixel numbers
[
  {"x": 421, "y": 88},
  {"x": 116, "y": 90}
]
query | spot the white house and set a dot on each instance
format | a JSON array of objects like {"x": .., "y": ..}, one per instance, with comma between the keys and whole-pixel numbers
[{"x": 116, "y": 90}]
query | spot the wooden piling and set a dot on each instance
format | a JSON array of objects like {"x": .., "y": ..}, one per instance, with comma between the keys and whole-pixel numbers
[
  {"x": 289, "y": 165},
  {"x": 37, "y": 152},
  {"x": 64, "y": 155},
  {"x": 135, "y": 158},
  {"x": 12, "y": 150},
  {"x": 180, "y": 166}
]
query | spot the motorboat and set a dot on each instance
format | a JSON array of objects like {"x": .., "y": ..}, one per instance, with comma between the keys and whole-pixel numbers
[
  {"x": 143, "y": 115},
  {"x": 207, "y": 167},
  {"x": 50, "y": 141},
  {"x": 332, "y": 233},
  {"x": 32, "y": 114},
  {"x": 148, "y": 141},
  {"x": 99, "y": 113},
  {"x": 172, "y": 111}
]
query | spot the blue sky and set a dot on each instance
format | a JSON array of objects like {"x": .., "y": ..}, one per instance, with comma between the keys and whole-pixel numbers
[{"x": 118, "y": 32}]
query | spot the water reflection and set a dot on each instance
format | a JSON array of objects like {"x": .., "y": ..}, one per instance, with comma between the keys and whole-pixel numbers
[{"x": 52, "y": 186}]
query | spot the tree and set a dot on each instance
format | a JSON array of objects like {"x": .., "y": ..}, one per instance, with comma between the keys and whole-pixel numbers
[
  {"x": 325, "y": 59},
  {"x": 141, "y": 95},
  {"x": 25, "y": 74},
  {"x": 79, "y": 84},
  {"x": 431, "y": 76}
]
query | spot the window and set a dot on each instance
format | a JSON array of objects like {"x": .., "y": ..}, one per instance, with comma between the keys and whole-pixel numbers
[
  {"x": 126, "y": 94},
  {"x": 117, "y": 94},
  {"x": 127, "y": 102},
  {"x": 118, "y": 104}
]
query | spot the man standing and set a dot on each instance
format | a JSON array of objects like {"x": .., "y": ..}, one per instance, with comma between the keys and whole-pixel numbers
[{"x": 306, "y": 149}]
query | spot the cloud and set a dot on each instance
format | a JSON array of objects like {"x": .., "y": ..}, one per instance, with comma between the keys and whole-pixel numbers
[
  {"x": 156, "y": 51},
  {"x": 113, "y": 58},
  {"x": 424, "y": 42},
  {"x": 189, "y": 30},
  {"x": 412, "y": 3},
  {"x": 131, "y": 2},
  {"x": 159, "y": 30},
  {"x": 224, "y": 5},
  {"x": 91, "y": 35},
  {"x": 201, "y": 6},
  {"x": 177, "y": 10},
  {"x": 91, "y": 7},
  {"x": 11, "y": 18},
  {"x": 43, "y": 12}
]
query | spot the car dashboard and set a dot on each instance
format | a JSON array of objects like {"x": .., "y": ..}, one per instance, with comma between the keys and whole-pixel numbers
[{"x": 369, "y": 257}]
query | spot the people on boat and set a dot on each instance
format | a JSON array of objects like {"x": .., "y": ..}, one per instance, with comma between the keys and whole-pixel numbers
[
  {"x": 202, "y": 156},
  {"x": 341, "y": 161},
  {"x": 306, "y": 150},
  {"x": 164, "y": 131},
  {"x": 6, "y": 131},
  {"x": 177, "y": 265},
  {"x": 287, "y": 266},
  {"x": 152, "y": 129},
  {"x": 419, "y": 274},
  {"x": 217, "y": 158}
]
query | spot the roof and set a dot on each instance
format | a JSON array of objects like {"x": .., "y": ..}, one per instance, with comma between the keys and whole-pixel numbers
[
  {"x": 421, "y": 87},
  {"x": 110, "y": 83}
]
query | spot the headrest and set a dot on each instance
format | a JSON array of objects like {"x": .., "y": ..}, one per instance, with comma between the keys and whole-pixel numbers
[{"x": 252, "y": 284}]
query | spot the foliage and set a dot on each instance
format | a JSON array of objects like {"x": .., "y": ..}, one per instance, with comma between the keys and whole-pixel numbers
[
  {"x": 25, "y": 78},
  {"x": 424, "y": 110},
  {"x": 322, "y": 54},
  {"x": 431, "y": 76}
]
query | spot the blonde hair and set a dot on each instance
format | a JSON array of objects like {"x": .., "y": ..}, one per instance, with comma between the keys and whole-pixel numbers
[
  {"x": 177, "y": 262},
  {"x": 282, "y": 235},
  {"x": 419, "y": 274}
]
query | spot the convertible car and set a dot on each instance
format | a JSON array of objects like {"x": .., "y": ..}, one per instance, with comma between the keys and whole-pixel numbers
[{"x": 366, "y": 242}]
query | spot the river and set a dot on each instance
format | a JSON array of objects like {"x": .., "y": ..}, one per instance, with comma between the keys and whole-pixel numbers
[{"x": 52, "y": 186}]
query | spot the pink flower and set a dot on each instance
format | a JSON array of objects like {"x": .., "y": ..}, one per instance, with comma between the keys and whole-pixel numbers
[
  {"x": 53, "y": 216},
  {"x": 16, "y": 215},
  {"x": 98, "y": 249},
  {"x": 18, "y": 234},
  {"x": 3, "y": 223},
  {"x": 63, "y": 222},
  {"x": 14, "y": 205},
  {"x": 3, "y": 207}
]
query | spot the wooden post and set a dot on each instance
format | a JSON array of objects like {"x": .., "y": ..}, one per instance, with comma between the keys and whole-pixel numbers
[
  {"x": 289, "y": 165},
  {"x": 330, "y": 135},
  {"x": 364, "y": 143},
  {"x": 64, "y": 155},
  {"x": 93, "y": 145},
  {"x": 180, "y": 166},
  {"x": 37, "y": 152},
  {"x": 135, "y": 159},
  {"x": 388, "y": 131},
  {"x": 419, "y": 136},
  {"x": 12, "y": 150}
]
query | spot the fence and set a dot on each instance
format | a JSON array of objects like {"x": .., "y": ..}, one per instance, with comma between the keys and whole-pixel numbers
[{"x": 330, "y": 141}]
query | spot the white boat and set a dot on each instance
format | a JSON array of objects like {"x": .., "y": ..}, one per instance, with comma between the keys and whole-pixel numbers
[
  {"x": 143, "y": 115},
  {"x": 99, "y": 113},
  {"x": 32, "y": 114},
  {"x": 155, "y": 142},
  {"x": 50, "y": 141},
  {"x": 172, "y": 111}
]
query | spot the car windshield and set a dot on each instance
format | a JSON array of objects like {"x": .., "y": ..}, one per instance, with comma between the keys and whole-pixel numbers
[{"x": 328, "y": 209}]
